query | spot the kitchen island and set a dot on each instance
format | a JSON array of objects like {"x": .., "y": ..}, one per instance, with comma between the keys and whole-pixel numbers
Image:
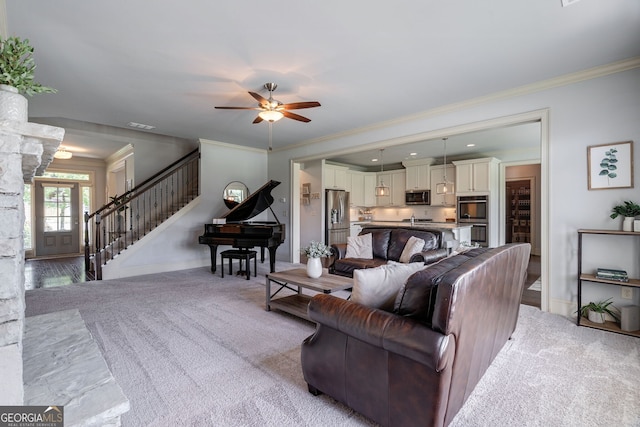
[{"x": 455, "y": 233}]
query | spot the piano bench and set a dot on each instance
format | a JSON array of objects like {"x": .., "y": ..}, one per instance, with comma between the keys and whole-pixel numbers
[{"x": 241, "y": 255}]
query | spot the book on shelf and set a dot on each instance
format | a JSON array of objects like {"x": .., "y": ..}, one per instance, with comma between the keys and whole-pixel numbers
[{"x": 612, "y": 274}]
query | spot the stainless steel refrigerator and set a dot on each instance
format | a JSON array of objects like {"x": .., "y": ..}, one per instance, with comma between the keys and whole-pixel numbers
[{"x": 336, "y": 217}]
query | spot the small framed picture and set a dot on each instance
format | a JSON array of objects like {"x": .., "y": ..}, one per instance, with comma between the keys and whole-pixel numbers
[{"x": 610, "y": 165}]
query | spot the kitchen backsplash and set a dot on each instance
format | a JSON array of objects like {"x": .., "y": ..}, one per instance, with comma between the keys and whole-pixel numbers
[{"x": 437, "y": 214}]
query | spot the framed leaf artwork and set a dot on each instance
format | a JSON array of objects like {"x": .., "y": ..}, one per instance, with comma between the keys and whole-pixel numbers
[{"x": 610, "y": 165}]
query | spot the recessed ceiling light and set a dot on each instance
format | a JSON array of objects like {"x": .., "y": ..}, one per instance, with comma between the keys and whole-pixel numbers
[
  {"x": 413, "y": 154},
  {"x": 140, "y": 126},
  {"x": 471, "y": 145},
  {"x": 374, "y": 160}
]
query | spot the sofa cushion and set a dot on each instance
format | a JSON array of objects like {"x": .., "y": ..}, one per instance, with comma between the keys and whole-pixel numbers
[
  {"x": 414, "y": 245},
  {"x": 400, "y": 236},
  {"x": 359, "y": 247},
  {"x": 378, "y": 287},
  {"x": 417, "y": 297},
  {"x": 346, "y": 266},
  {"x": 379, "y": 241}
]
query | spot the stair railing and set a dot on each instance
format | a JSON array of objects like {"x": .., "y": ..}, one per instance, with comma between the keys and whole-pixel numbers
[{"x": 127, "y": 218}]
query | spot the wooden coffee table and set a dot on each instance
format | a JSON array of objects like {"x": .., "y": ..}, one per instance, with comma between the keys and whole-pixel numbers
[{"x": 297, "y": 304}]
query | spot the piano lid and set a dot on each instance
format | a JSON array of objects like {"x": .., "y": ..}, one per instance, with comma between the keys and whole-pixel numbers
[{"x": 253, "y": 205}]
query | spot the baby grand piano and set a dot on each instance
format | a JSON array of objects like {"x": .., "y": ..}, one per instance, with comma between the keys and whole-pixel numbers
[{"x": 243, "y": 234}]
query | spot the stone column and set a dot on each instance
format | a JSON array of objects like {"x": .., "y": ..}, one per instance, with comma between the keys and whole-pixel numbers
[{"x": 26, "y": 149}]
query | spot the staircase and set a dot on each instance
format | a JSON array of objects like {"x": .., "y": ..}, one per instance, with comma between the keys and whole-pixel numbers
[{"x": 128, "y": 218}]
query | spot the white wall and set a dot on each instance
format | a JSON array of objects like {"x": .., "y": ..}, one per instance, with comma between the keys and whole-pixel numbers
[
  {"x": 174, "y": 245},
  {"x": 311, "y": 214},
  {"x": 593, "y": 111}
]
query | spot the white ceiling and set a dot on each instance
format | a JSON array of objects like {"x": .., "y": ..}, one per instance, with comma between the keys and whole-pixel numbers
[{"x": 168, "y": 63}]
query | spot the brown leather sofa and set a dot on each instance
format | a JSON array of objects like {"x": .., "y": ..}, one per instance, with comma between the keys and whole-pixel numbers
[
  {"x": 388, "y": 243},
  {"x": 419, "y": 364}
]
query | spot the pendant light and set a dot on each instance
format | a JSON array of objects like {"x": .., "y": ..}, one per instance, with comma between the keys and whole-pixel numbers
[
  {"x": 382, "y": 190},
  {"x": 445, "y": 187}
]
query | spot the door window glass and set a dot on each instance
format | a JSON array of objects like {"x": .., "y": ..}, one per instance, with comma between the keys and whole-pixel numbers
[{"x": 57, "y": 209}]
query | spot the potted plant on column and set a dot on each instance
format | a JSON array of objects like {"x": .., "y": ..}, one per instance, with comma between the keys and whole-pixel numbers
[{"x": 17, "y": 78}]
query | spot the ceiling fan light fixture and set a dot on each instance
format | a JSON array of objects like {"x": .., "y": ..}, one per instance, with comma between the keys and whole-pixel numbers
[
  {"x": 270, "y": 115},
  {"x": 62, "y": 154}
]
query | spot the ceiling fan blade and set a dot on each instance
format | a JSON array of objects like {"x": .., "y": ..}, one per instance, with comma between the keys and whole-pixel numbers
[
  {"x": 257, "y": 120},
  {"x": 261, "y": 99},
  {"x": 295, "y": 116},
  {"x": 300, "y": 105},
  {"x": 238, "y": 108}
]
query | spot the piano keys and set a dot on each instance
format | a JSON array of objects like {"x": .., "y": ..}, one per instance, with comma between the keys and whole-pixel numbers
[{"x": 240, "y": 233}]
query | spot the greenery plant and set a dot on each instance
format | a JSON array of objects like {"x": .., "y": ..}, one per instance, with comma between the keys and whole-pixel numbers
[
  {"x": 17, "y": 66},
  {"x": 600, "y": 307},
  {"x": 608, "y": 164},
  {"x": 629, "y": 208},
  {"x": 316, "y": 250}
]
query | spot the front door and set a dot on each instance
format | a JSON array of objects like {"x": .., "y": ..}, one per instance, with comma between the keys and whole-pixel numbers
[{"x": 57, "y": 222}]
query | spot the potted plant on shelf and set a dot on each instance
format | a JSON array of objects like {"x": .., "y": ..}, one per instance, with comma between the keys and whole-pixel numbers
[
  {"x": 314, "y": 252},
  {"x": 17, "y": 77},
  {"x": 629, "y": 210},
  {"x": 596, "y": 311}
]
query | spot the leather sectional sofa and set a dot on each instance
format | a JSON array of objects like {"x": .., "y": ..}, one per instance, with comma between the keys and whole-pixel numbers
[
  {"x": 388, "y": 243},
  {"x": 418, "y": 364}
]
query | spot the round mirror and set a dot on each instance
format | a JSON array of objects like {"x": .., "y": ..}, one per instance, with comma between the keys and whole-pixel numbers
[{"x": 234, "y": 193}]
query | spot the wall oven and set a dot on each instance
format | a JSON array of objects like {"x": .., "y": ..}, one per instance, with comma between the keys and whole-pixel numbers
[{"x": 474, "y": 210}]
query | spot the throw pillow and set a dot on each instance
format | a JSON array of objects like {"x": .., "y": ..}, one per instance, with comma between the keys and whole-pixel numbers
[
  {"x": 360, "y": 247},
  {"x": 378, "y": 287},
  {"x": 414, "y": 245}
]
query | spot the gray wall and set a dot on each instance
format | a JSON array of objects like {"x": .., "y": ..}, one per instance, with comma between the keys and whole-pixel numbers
[{"x": 589, "y": 112}]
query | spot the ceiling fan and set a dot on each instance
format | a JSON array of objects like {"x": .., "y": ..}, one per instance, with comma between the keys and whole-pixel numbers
[{"x": 273, "y": 110}]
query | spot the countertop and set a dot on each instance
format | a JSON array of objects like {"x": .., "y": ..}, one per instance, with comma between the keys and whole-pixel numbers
[{"x": 426, "y": 224}]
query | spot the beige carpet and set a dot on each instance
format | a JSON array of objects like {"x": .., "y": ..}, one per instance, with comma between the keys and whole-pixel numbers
[{"x": 189, "y": 348}]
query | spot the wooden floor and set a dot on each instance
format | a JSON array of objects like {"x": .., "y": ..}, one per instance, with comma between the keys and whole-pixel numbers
[{"x": 47, "y": 273}]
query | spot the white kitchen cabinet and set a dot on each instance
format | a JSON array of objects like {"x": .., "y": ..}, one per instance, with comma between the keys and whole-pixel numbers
[
  {"x": 437, "y": 175},
  {"x": 369, "y": 189},
  {"x": 355, "y": 186},
  {"x": 334, "y": 177},
  {"x": 417, "y": 177},
  {"x": 361, "y": 187},
  {"x": 478, "y": 176},
  {"x": 396, "y": 181},
  {"x": 398, "y": 187}
]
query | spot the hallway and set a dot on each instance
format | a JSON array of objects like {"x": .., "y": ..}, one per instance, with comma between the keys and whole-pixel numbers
[{"x": 52, "y": 272}]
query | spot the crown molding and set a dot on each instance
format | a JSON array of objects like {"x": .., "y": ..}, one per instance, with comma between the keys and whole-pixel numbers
[
  {"x": 232, "y": 146},
  {"x": 564, "y": 80}
]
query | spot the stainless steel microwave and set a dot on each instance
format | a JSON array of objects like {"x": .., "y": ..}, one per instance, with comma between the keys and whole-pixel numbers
[{"x": 417, "y": 197}]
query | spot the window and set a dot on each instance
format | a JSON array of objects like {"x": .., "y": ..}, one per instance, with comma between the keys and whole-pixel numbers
[{"x": 57, "y": 208}]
